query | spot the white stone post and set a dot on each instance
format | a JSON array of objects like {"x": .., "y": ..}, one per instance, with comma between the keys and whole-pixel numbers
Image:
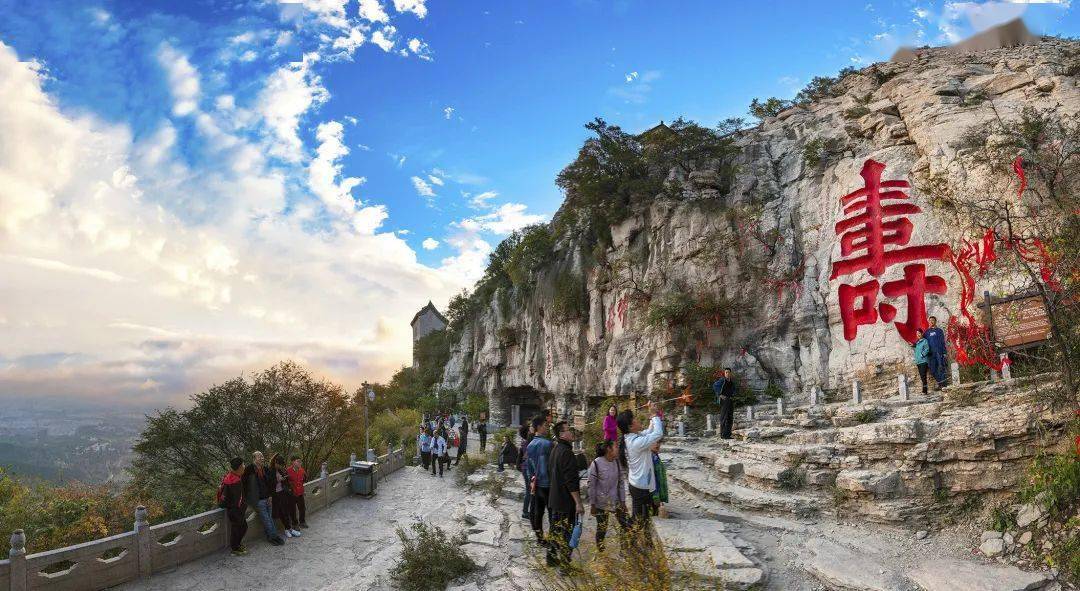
[
  {"x": 323, "y": 472},
  {"x": 779, "y": 407},
  {"x": 816, "y": 397},
  {"x": 750, "y": 412},
  {"x": 901, "y": 379},
  {"x": 17, "y": 558},
  {"x": 1006, "y": 367},
  {"x": 708, "y": 423},
  {"x": 143, "y": 542},
  {"x": 955, "y": 368},
  {"x": 371, "y": 455},
  {"x": 682, "y": 429},
  {"x": 352, "y": 459},
  {"x": 856, "y": 392}
]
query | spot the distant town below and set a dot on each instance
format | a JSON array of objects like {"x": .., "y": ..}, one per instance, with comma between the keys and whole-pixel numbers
[{"x": 62, "y": 444}]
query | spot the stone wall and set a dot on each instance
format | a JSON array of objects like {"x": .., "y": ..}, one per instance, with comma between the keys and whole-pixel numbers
[
  {"x": 151, "y": 549},
  {"x": 910, "y": 116}
]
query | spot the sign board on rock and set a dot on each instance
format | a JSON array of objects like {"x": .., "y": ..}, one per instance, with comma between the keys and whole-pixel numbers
[{"x": 1020, "y": 322}]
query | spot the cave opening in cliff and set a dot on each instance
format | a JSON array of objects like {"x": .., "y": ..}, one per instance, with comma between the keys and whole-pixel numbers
[{"x": 521, "y": 403}]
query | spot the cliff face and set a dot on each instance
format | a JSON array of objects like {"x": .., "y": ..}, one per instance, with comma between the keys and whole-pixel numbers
[{"x": 777, "y": 211}]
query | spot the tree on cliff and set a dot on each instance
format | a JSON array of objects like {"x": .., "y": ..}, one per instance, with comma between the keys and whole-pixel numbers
[
  {"x": 1018, "y": 212},
  {"x": 180, "y": 454}
]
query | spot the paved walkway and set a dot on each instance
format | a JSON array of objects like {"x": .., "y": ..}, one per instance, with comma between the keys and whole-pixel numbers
[{"x": 351, "y": 544}]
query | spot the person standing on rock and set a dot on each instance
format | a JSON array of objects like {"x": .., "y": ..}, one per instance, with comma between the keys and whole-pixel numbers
[
  {"x": 611, "y": 429},
  {"x": 939, "y": 358},
  {"x": 463, "y": 440},
  {"x": 725, "y": 391},
  {"x": 526, "y": 434},
  {"x": 564, "y": 500},
  {"x": 607, "y": 489},
  {"x": 922, "y": 356},
  {"x": 536, "y": 470},
  {"x": 635, "y": 455},
  {"x": 231, "y": 499},
  {"x": 259, "y": 486}
]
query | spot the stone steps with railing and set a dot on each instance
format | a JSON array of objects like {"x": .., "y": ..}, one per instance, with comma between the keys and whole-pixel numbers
[
  {"x": 904, "y": 459},
  {"x": 151, "y": 549}
]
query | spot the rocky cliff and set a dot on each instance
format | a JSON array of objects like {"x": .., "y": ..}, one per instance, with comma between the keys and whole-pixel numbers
[{"x": 774, "y": 206}]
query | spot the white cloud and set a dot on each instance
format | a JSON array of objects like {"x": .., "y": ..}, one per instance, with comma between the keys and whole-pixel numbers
[
  {"x": 414, "y": 6},
  {"x": 420, "y": 49},
  {"x": 423, "y": 189},
  {"x": 372, "y": 10},
  {"x": 289, "y": 93},
  {"x": 636, "y": 90},
  {"x": 631, "y": 76},
  {"x": 435, "y": 180},
  {"x": 430, "y": 244},
  {"x": 384, "y": 38},
  {"x": 183, "y": 79},
  {"x": 348, "y": 44},
  {"x": 504, "y": 220},
  {"x": 480, "y": 200},
  {"x": 141, "y": 234},
  {"x": 448, "y": 112}
]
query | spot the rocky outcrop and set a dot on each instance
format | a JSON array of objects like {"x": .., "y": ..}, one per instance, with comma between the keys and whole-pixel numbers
[{"x": 782, "y": 203}]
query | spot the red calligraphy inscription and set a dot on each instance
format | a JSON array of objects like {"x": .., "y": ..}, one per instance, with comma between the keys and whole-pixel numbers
[
  {"x": 875, "y": 236},
  {"x": 617, "y": 312}
]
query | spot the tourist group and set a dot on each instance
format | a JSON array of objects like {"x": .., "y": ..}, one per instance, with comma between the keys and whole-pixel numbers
[{"x": 275, "y": 492}]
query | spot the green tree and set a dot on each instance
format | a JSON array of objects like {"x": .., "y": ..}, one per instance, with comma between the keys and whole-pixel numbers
[{"x": 181, "y": 454}]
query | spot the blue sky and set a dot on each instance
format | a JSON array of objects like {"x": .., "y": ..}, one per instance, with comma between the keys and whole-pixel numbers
[{"x": 197, "y": 188}]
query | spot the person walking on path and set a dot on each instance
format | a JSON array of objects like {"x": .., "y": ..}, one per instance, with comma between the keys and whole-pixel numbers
[
  {"x": 537, "y": 474},
  {"x": 231, "y": 499},
  {"x": 463, "y": 440},
  {"x": 297, "y": 476},
  {"x": 423, "y": 443},
  {"x": 725, "y": 391},
  {"x": 526, "y": 434},
  {"x": 607, "y": 489},
  {"x": 611, "y": 429},
  {"x": 481, "y": 429},
  {"x": 922, "y": 356},
  {"x": 438, "y": 451},
  {"x": 283, "y": 496},
  {"x": 935, "y": 337},
  {"x": 564, "y": 501},
  {"x": 258, "y": 487},
  {"x": 635, "y": 455}
]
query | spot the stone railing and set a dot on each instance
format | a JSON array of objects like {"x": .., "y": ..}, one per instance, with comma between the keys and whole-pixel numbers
[{"x": 150, "y": 549}]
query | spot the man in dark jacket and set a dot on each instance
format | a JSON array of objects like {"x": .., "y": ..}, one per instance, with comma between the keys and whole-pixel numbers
[
  {"x": 481, "y": 429},
  {"x": 463, "y": 440},
  {"x": 939, "y": 356},
  {"x": 231, "y": 499},
  {"x": 724, "y": 388},
  {"x": 564, "y": 498},
  {"x": 258, "y": 486}
]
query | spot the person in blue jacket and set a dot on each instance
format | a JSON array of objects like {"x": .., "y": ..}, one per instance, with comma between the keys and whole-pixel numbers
[
  {"x": 939, "y": 359},
  {"x": 922, "y": 356},
  {"x": 536, "y": 474}
]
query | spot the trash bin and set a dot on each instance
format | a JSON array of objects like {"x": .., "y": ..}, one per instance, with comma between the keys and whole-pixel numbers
[{"x": 363, "y": 478}]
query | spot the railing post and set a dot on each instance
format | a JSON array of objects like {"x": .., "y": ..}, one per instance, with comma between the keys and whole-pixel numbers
[
  {"x": 750, "y": 412},
  {"x": 780, "y": 407},
  {"x": 901, "y": 379},
  {"x": 323, "y": 473},
  {"x": 352, "y": 458},
  {"x": 856, "y": 392},
  {"x": 17, "y": 564},
  {"x": 955, "y": 367},
  {"x": 144, "y": 543},
  {"x": 815, "y": 396}
]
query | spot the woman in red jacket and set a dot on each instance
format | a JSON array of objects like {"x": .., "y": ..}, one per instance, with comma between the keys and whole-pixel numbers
[{"x": 297, "y": 476}]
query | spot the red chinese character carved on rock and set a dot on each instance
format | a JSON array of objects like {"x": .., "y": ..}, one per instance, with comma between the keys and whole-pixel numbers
[{"x": 875, "y": 236}]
